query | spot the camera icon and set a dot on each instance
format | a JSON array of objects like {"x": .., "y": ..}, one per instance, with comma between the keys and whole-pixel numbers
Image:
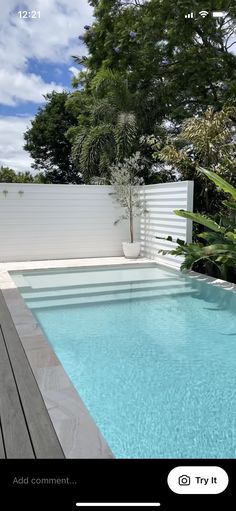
[{"x": 184, "y": 480}]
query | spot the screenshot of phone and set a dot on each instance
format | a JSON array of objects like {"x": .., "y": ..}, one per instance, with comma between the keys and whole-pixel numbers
[{"x": 118, "y": 254}]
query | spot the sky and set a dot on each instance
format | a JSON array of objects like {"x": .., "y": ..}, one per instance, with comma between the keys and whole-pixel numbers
[{"x": 35, "y": 56}]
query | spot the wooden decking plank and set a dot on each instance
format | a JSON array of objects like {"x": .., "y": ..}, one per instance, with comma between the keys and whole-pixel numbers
[
  {"x": 2, "y": 452},
  {"x": 42, "y": 433},
  {"x": 15, "y": 433}
]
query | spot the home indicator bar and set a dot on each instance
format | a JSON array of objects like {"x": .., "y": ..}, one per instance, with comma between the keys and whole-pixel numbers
[{"x": 118, "y": 504}]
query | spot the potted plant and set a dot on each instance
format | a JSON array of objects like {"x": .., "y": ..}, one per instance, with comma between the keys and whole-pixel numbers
[{"x": 126, "y": 185}]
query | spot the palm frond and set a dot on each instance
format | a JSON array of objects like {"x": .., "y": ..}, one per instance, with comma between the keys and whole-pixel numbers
[
  {"x": 125, "y": 134},
  {"x": 200, "y": 219},
  {"x": 103, "y": 111},
  {"x": 231, "y": 205},
  {"x": 106, "y": 80},
  {"x": 99, "y": 139},
  {"x": 219, "y": 181},
  {"x": 113, "y": 86},
  {"x": 80, "y": 60},
  {"x": 77, "y": 147}
]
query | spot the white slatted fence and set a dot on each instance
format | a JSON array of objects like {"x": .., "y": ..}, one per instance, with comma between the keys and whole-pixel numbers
[
  {"x": 161, "y": 200},
  {"x": 74, "y": 221}
]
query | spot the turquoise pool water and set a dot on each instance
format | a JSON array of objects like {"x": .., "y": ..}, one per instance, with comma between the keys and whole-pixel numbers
[{"x": 151, "y": 352}]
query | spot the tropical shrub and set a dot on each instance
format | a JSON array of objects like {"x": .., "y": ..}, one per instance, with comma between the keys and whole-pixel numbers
[{"x": 216, "y": 253}]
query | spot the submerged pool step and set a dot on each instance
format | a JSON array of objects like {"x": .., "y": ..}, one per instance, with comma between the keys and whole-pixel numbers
[
  {"x": 31, "y": 294},
  {"x": 100, "y": 277},
  {"x": 112, "y": 296}
]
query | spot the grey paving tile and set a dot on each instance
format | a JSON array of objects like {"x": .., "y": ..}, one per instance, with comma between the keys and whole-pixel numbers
[{"x": 42, "y": 357}]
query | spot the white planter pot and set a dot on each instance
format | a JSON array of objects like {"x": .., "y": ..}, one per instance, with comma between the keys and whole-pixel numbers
[{"x": 131, "y": 250}]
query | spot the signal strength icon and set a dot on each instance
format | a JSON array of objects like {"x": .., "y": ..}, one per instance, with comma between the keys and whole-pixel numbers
[
  {"x": 203, "y": 14},
  {"x": 189, "y": 15}
]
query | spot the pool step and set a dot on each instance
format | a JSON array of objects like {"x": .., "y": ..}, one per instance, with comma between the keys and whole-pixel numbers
[
  {"x": 90, "y": 278},
  {"x": 113, "y": 295},
  {"x": 31, "y": 294}
]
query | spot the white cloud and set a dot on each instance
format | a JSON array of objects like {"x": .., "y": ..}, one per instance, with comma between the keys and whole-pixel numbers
[
  {"x": 50, "y": 39},
  {"x": 24, "y": 87},
  {"x": 12, "y": 141},
  {"x": 74, "y": 71}
]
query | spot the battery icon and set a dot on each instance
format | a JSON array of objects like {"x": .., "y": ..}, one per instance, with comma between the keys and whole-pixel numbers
[{"x": 219, "y": 14}]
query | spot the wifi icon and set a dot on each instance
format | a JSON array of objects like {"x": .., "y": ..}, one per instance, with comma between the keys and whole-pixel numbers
[{"x": 203, "y": 14}]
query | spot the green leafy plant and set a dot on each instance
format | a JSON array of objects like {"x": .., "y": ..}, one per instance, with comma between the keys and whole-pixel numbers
[{"x": 218, "y": 248}]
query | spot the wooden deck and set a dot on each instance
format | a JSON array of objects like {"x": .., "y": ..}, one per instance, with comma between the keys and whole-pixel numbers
[{"x": 26, "y": 430}]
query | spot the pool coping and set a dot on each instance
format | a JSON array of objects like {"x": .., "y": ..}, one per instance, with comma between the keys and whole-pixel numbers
[{"x": 77, "y": 432}]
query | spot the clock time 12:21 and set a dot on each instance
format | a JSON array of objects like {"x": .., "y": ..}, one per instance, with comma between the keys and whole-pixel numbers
[{"x": 29, "y": 14}]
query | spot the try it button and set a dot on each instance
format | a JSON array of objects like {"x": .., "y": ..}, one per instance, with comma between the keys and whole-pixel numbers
[{"x": 193, "y": 480}]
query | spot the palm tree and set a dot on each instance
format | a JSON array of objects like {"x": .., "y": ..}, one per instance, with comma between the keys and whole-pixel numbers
[{"x": 111, "y": 133}]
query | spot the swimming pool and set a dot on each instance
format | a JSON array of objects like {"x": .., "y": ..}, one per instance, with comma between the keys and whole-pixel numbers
[{"x": 151, "y": 352}]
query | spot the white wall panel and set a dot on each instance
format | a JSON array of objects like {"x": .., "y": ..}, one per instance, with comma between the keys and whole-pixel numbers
[
  {"x": 73, "y": 221},
  {"x": 58, "y": 222}
]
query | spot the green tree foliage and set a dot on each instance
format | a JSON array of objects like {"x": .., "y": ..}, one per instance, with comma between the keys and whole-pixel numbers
[
  {"x": 163, "y": 68},
  {"x": 8, "y": 175},
  {"x": 179, "y": 67},
  {"x": 109, "y": 130},
  {"x": 46, "y": 141},
  {"x": 146, "y": 69},
  {"x": 208, "y": 141}
]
